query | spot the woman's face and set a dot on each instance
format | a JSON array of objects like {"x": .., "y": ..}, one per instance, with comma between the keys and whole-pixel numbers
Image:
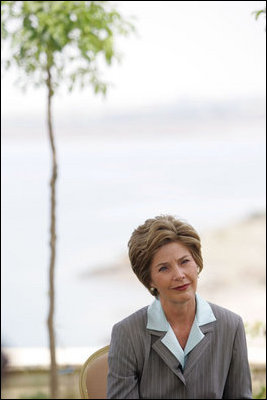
[{"x": 174, "y": 273}]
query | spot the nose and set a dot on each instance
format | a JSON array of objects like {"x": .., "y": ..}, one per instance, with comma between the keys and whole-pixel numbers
[{"x": 178, "y": 273}]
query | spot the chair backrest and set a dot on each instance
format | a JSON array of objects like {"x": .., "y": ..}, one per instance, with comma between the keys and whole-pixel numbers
[{"x": 93, "y": 375}]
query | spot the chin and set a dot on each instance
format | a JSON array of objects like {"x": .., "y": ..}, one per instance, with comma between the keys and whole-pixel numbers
[{"x": 184, "y": 296}]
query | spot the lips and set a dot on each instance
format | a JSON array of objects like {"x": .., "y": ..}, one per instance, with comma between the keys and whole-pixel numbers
[{"x": 182, "y": 287}]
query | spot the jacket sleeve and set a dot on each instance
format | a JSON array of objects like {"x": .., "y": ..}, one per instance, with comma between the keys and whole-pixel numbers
[
  {"x": 238, "y": 383},
  {"x": 122, "y": 382}
]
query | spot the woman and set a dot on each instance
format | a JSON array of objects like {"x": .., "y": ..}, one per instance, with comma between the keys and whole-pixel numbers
[{"x": 179, "y": 347}]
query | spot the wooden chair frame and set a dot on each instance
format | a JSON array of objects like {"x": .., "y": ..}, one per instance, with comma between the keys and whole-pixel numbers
[{"x": 83, "y": 373}]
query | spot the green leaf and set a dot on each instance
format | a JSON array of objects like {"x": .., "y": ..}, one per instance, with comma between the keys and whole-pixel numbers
[{"x": 48, "y": 33}]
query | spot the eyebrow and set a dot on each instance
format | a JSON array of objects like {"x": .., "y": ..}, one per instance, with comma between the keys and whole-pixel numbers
[{"x": 179, "y": 259}]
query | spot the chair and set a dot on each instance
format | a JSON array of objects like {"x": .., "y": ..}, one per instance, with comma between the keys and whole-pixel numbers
[{"x": 93, "y": 375}]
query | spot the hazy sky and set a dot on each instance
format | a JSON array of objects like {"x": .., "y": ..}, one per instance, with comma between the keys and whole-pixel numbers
[{"x": 184, "y": 50}]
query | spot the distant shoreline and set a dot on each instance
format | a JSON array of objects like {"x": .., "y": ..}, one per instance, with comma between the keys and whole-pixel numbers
[
  {"x": 39, "y": 357},
  {"x": 193, "y": 121}
]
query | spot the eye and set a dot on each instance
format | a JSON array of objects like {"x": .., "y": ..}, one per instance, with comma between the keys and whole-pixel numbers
[
  {"x": 185, "y": 261},
  {"x": 163, "y": 268}
]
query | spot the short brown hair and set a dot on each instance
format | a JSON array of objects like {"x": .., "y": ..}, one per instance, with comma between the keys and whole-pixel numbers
[{"x": 154, "y": 233}]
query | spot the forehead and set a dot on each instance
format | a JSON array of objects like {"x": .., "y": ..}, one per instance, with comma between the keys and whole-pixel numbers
[{"x": 169, "y": 251}]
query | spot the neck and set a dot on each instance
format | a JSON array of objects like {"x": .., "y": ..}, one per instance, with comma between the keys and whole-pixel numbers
[{"x": 180, "y": 313}]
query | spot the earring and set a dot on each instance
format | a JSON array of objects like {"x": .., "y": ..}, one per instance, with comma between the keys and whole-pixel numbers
[{"x": 152, "y": 290}]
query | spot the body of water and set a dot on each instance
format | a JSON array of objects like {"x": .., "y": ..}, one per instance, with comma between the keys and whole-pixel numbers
[{"x": 106, "y": 187}]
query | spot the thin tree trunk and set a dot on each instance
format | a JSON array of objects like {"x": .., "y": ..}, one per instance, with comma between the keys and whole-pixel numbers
[{"x": 50, "y": 320}]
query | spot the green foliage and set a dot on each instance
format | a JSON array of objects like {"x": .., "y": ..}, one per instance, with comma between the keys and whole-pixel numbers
[
  {"x": 259, "y": 12},
  {"x": 69, "y": 38},
  {"x": 258, "y": 328},
  {"x": 261, "y": 394}
]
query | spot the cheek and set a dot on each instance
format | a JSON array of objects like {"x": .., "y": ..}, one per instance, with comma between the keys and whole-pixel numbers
[
  {"x": 194, "y": 274},
  {"x": 158, "y": 280},
  {"x": 154, "y": 279}
]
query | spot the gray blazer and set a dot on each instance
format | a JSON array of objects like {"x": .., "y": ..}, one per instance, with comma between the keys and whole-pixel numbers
[{"x": 141, "y": 367}]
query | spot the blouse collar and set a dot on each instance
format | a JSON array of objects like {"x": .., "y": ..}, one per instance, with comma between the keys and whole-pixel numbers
[{"x": 156, "y": 320}]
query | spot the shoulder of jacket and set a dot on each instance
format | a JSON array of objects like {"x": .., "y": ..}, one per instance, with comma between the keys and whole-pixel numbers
[
  {"x": 224, "y": 314},
  {"x": 139, "y": 317}
]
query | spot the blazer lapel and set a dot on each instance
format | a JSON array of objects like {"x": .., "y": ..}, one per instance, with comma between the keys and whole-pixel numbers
[
  {"x": 165, "y": 354},
  {"x": 164, "y": 341},
  {"x": 200, "y": 349}
]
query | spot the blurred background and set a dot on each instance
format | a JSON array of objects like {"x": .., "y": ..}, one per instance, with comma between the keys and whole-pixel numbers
[{"x": 181, "y": 131}]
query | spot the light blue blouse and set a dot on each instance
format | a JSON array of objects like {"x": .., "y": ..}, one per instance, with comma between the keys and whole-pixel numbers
[{"x": 157, "y": 321}]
